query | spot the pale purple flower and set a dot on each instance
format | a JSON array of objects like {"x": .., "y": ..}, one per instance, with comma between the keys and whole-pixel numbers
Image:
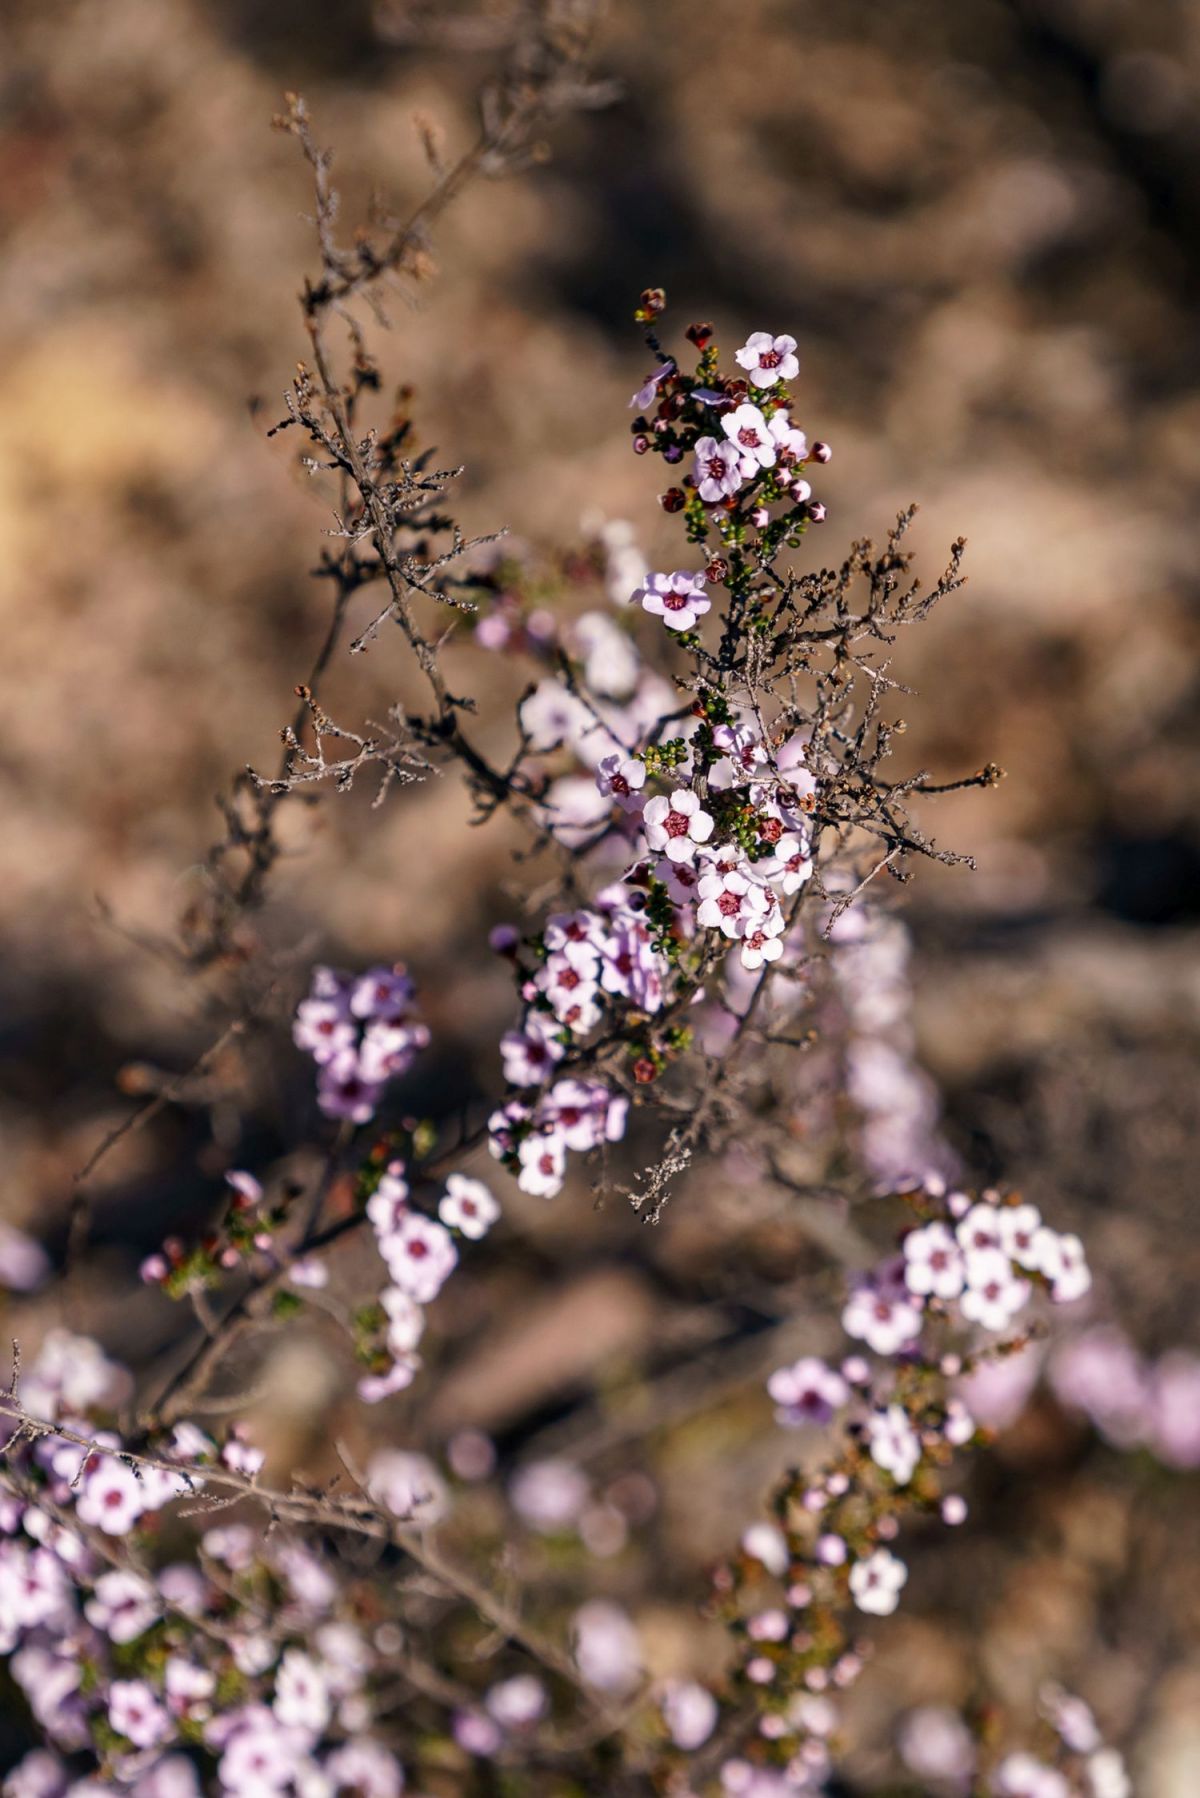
[
  {"x": 543, "y": 1159},
  {"x": 1018, "y": 1226},
  {"x": 750, "y": 435},
  {"x": 551, "y": 715},
  {"x": 188, "y": 1687},
  {"x": 136, "y": 1714},
  {"x": 420, "y": 1256},
  {"x": 730, "y": 901},
  {"x": 764, "y": 940},
  {"x": 122, "y": 1605},
  {"x": 389, "y": 1048},
  {"x": 607, "y": 1648},
  {"x": 408, "y": 1485},
  {"x": 791, "y": 446},
  {"x": 373, "y": 1388},
  {"x": 111, "y": 1497},
  {"x": 386, "y": 993},
  {"x": 1062, "y": 1260},
  {"x": 630, "y": 965},
  {"x": 24, "y": 1264},
  {"x": 645, "y": 394},
  {"x": 1021, "y": 1776},
  {"x": 518, "y": 1702},
  {"x": 1174, "y": 1414},
  {"x": 323, "y": 1024},
  {"x": 468, "y": 1207},
  {"x": 789, "y": 863},
  {"x": 876, "y": 1582},
  {"x": 935, "y": 1743},
  {"x": 979, "y": 1229},
  {"x": 39, "y": 1774},
  {"x": 611, "y": 663},
  {"x": 768, "y": 359},
  {"x": 344, "y": 1092},
  {"x": 765, "y": 1542},
  {"x": 676, "y": 825},
  {"x": 718, "y": 471},
  {"x": 887, "y": 1319},
  {"x": 366, "y": 1768},
  {"x": 549, "y": 1495},
  {"x": 528, "y": 1054},
  {"x": 622, "y": 777},
  {"x": 476, "y": 1734},
  {"x": 993, "y": 1293},
  {"x": 584, "y": 1113},
  {"x": 933, "y": 1263},
  {"x": 893, "y": 1443},
  {"x": 678, "y": 599},
  {"x": 301, "y": 1695},
  {"x": 689, "y": 1712},
  {"x": 262, "y": 1756}
]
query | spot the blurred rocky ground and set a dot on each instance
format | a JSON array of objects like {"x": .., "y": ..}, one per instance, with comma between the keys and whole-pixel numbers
[{"x": 982, "y": 221}]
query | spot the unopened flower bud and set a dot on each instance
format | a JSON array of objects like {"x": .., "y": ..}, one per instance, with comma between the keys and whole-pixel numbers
[
  {"x": 700, "y": 335},
  {"x": 503, "y": 939},
  {"x": 759, "y": 517},
  {"x": 654, "y": 299},
  {"x": 644, "y": 1070},
  {"x": 954, "y": 1509},
  {"x": 673, "y": 500},
  {"x": 817, "y": 512},
  {"x": 672, "y": 453},
  {"x": 641, "y": 445},
  {"x": 821, "y": 452}
]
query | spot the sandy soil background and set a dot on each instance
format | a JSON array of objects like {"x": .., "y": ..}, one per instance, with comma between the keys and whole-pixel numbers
[{"x": 982, "y": 220}]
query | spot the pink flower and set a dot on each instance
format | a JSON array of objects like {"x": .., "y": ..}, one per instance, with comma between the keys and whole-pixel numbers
[
  {"x": 768, "y": 359},
  {"x": 301, "y": 1695},
  {"x": 933, "y": 1263},
  {"x": 122, "y": 1605},
  {"x": 468, "y": 1207},
  {"x": 408, "y": 1485},
  {"x": 366, "y": 1768},
  {"x": 718, "y": 471},
  {"x": 875, "y": 1583},
  {"x": 791, "y": 445},
  {"x": 111, "y": 1499},
  {"x": 730, "y": 901},
  {"x": 543, "y": 1159},
  {"x": 689, "y": 1712},
  {"x": 622, "y": 777},
  {"x": 678, "y": 599},
  {"x": 645, "y": 394},
  {"x": 750, "y": 434},
  {"x": 136, "y": 1714},
  {"x": 893, "y": 1443},
  {"x": 789, "y": 863},
  {"x": 807, "y": 1392},
  {"x": 887, "y": 1319},
  {"x": 584, "y": 1113},
  {"x": 323, "y": 1026},
  {"x": 763, "y": 940},
  {"x": 993, "y": 1294},
  {"x": 516, "y": 1703},
  {"x": 676, "y": 826},
  {"x": 382, "y": 993},
  {"x": 344, "y": 1092},
  {"x": 528, "y": 1054},
  {"x": 420, "y": 1255}
]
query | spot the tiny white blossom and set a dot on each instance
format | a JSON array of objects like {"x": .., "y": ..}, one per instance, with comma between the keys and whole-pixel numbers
[{"x": 875, "y": 1583}]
